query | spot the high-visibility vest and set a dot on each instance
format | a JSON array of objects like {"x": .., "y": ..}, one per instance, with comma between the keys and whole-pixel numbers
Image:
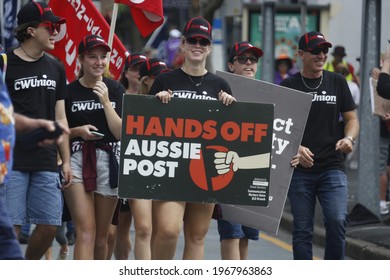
[{"x": 329, "y": 67}]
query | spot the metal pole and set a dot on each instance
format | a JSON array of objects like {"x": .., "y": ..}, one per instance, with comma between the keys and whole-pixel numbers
[
  {"x": 368, "y": 174},
  {"x": 268, "y": 60},
  {"x": 303, "y": 16}
]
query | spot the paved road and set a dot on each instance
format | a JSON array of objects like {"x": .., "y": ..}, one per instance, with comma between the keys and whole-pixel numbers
[{"x": 267, "y": 248}]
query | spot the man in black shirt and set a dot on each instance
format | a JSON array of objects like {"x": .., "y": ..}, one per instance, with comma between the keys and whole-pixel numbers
[
  {"x": 36, "y": 83},
  {"x": 321, "y": 171}
]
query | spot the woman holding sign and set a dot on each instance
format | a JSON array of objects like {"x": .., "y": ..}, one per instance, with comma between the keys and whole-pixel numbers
[
  {"x": 94, "y": 109},
  {"x": 191, "y": 78}
]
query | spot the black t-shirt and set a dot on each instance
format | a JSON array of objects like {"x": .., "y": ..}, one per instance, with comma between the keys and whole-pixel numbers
[
  {"x": 34, "y": 88},
  {"x": 383, "y": 86},
  {"x": 83, "y": 107},
  {"x": 183, "y": 85},
  {"x": 322, "y": 130}
]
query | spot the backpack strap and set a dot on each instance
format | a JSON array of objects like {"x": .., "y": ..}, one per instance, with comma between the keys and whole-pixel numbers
[{"x": 4, "y": 55}]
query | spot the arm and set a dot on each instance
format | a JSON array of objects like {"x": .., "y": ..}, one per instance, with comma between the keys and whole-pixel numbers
[
  {"x": 63, "y": 147},
  {"x": 351, "y": 132},
  {"x": 113, "y": 120}
]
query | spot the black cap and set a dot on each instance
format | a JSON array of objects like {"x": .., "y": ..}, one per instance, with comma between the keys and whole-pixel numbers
[
  {"x": 198, "y": 27},
  {"x": 339, "y": 50},
  {"x": 243, "y": 46},
  {"x": 312, "y": 40},
  {"x": 37, "y": 11},
  {"x": 92, "y": 41},
  {"x": 152, "y": 67},
  {"x": 134, "y": 59}
]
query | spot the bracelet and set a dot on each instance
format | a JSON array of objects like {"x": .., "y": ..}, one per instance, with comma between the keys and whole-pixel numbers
[{"x": 350, "y": 138}]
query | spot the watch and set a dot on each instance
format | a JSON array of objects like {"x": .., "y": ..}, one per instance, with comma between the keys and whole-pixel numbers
[{"x": 350, "y": 138}]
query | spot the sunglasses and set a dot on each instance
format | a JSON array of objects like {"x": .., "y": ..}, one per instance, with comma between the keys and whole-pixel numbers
[
  {"x": 51, "y": 27},
  {"x": 202, "y": 42},
  {"x": 243, "y": 59},
  {"x": 317, "y": 51}
]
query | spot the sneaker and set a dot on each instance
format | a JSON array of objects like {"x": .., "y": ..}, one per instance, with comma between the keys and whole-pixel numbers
[
  {"x": 384, "y": 208},
  {"x": 63, "y": 255}
]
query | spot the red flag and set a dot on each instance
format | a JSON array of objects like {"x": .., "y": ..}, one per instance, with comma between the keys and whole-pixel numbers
[
  {"x": 147, "y": 14},
  {"x": 83, "y": 18}
]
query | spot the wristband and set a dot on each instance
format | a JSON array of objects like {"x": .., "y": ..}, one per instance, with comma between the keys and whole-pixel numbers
[{"x": 350, "y": 138}]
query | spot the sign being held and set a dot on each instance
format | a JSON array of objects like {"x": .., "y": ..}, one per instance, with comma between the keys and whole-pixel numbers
[{"x": 196, "y": 150}]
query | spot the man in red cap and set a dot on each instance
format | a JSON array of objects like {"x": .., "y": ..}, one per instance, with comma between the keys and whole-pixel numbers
[
  {"x": 37, "y": 88},
  {"x": 321, "y": 171}
]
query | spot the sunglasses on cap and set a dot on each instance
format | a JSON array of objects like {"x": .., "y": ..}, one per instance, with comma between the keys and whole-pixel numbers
[
  {"x": 51, "y": 27},
  {"x": 317, "y": 51},
  {"x": 202, "y": 42},
  {"x": 242, "y": 59}
]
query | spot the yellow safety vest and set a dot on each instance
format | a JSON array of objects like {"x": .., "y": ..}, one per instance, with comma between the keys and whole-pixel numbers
[{"x": 329, "y": 67}]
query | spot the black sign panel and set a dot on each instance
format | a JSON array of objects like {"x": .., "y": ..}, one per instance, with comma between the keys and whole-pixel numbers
[{"x": 196, "y": 150}]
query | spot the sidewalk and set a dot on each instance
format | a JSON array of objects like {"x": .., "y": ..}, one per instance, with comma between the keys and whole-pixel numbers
[{"x": 363, "y": 242}]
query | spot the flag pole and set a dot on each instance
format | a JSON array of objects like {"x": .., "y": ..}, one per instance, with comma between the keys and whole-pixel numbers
[{"x": 112, "y": 30}]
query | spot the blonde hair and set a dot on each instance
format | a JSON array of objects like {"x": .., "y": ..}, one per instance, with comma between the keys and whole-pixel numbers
[{"x": 143, "y": 87}]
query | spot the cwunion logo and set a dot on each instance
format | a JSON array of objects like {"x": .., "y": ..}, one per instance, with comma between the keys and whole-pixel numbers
[
  {"x": 324, "y": 98},
  {"x": 192, "y": 95},
  {"x": 34, "y": 82},
  {"x": 88, "y": 106}
]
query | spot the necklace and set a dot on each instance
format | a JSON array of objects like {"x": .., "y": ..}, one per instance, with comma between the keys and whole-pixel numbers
[
  {"x": 303, "y": 80},
  {"x": 196, "y": 84},
  {"x": 30, "y": 56},
  {"x": 192, "y": 81}
]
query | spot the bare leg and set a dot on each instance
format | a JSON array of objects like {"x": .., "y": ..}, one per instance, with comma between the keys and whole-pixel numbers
[
  {"x": 48, "y": 253},
  {"x": 81, "y": 207},
  {"x": 142, "y": 212},
  {"x": 230, "y": 249},
  {"x": 40, "y": 240},
  {"x": 197, "y": 220},
  {"x": 123, "y": 240},
  {"x": 104, "y": 211},
  {"x": 111, "y": 241},
  {"x": 169, "y": 220},
  {"x": 244, "y": 242}
]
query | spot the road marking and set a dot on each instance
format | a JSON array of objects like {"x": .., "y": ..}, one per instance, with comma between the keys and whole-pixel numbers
[{"x": 280, "y": 243}]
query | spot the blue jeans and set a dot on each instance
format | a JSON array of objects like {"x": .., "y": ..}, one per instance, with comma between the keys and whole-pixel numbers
[
  {"x": 331, "y": 189},
  {"x": 9, "y": 245}
]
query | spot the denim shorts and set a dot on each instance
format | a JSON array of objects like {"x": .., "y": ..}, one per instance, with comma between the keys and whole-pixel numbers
[
  {"x": 229, "y": 230},
  {"x": 34, "y": 198},
  {"x": 102, "y": 170}
]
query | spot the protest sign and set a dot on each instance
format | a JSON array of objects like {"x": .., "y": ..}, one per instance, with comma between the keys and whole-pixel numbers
[
  {"x": 380, "y": 106},
  {"x": 291, "y": 112},
  {"x": 195, "y": 150}
]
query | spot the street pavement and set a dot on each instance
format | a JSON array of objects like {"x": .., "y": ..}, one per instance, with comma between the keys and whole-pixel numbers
[
  {"x": 369, "y": 241},
  {"x": 267, "y": 248}
]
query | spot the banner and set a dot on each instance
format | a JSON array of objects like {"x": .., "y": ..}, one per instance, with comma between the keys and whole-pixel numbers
[
  {"x": 147, "y": 14},
  {"x": 195, "y": 150},
  {"x": 83, "y": 18},
  {"x": 291, "y": 111},
  {"x": 380, "y": 106},
  {"x": 8, "y": 12}
]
